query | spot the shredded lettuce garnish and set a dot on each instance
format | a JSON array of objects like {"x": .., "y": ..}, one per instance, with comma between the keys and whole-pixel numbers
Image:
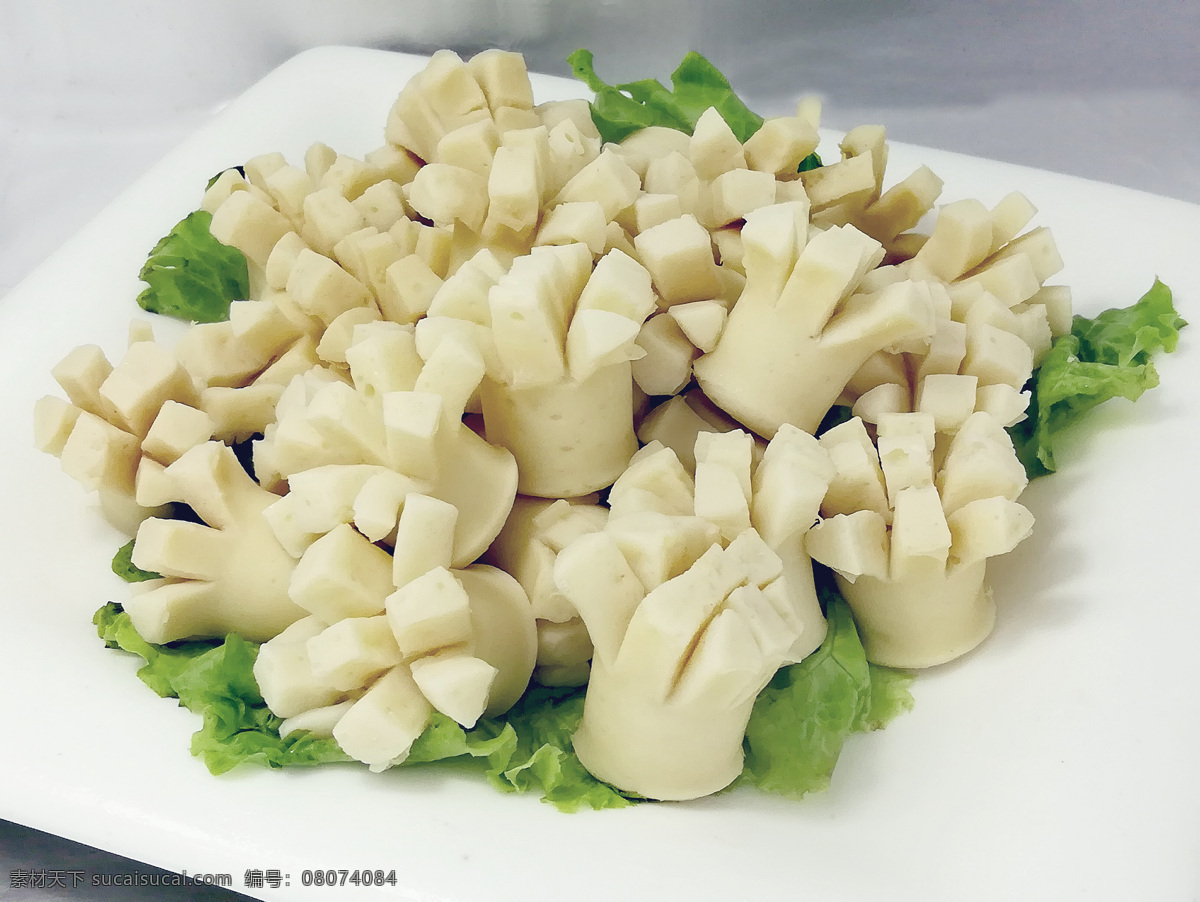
[
  {"x": 192, "y": 276},
  {"x": 1108, "y": 356}
]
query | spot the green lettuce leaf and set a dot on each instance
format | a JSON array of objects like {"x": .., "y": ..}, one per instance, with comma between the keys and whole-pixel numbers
[
  {"x": 795, "y": 736},
  {"x": 544, "y": 760},
  {"x": 1108, "y": 356},
  {"x": 810, "y": 162},
  {"x": 802, "y": 719},
  {"x": 696, "y": 85},
  {"x": 124, "y": 567},
  {"x": 192, "y": 276},
  {"x": 216, "y": 680},
  {"x": 528, "y": 751}
]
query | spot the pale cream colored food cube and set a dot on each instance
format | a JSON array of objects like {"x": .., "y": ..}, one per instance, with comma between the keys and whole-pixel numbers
[
  {"x": 288, "y": 186},
  {"x": 381, "y": 726},
  {"x": 281, "y": 260},
  {"x": 328, "y": 218},
  {"x": 980, "y": 463},
  {"x": 53, "y": 420},
  {"x": 459, "y": 685},
  {"x": 858, "y": 483},
  {"x": 146, "y": 377},
  {"x": 284, "y": 674},
  {"x": 645, "y": 145},
  {"x": 867, "y": 140},
  {"x": 1011, "y": 279},
  {"x": 411, "y": 421},
  {"x": 239, "y": 413},
  {"x": 366, "y": 255},
  {"x": 594, "y": 574},
  {"x": 152, "y": 486},
  {"x": 569, "y": 151},
  {"x": 397, "y": 164},
  {"x": 961, "y": 239},
  {"x": 99, "y": 456},
  {"x": 949, "y": 397},
  {"x": 1013, "y": 212},
  {"x": 876, "y": 403},
  {"x": 383, "y": 358},
  {"x": 448, "y": 194},
  {"x": 342, "y": 575},
  {"x": 674, "y": 174},
  {"x": 850, "y": 182},
  {"x": 987, "y": 527},
  {"x": 1005, "y": 404},
  {"x": 779, "y": 146},
  {"x": 382, "y": 204},
  {"x": 854, "y": 544},
  {"x": 353, "y": 651},
  {"x": 339, "y": 334},
  {"x": 471, "y": 146},
  {"x": 901, "y": 206},
  {"x": 317, "y": 721},
  {"x": 229, "y": 181},
  {"x": 424, "y": 538},
  {"x": 997, "y": 356},
  {"x": 679, "y": 256},
  {"x": 80, "y": 374},
  {"x": 250, "y": 224},
  {"x": 701, "y": 322},
  {"x": 598, "y": 338},
  {"x": 514, "y": 189},
  {"x": 738, "y": 192},
  {"x": 258, "y": 168},
  {"x": 666, "y": 366},
  {"x": 378, "y": 504},
  {"x": 920, "y": 536},
  {"x": 649, "y": 210},
  {"x": 503, "y": 78},
  {"x": 574, "y": 222},
  {"x": 1059, "y": 312},
  {"x": 409, "y": 288},
  {"x": 714, "y": 148},
  {"x": 607, "y": 180},
  {"x": 323, "y": 289},
  {"x": 429, "y": 613}
]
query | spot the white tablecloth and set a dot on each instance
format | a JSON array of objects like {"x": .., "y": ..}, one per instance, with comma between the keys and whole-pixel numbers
[{"x": 92, "y": 94}]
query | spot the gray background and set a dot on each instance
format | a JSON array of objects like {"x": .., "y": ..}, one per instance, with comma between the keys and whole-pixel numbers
[{"x": 92, "y": 94}]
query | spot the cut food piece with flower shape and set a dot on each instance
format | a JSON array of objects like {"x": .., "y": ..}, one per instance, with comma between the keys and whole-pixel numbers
[
  {"x": 909, "y": 539},
  {"x": 676, "y": 670},
  {"x": 690, "y": 609},
  {"x": 994, "y": 320},
  {"x": 464, "y": 645},
  {"x": 564, "y": 335},
  {"x": 226, "y": 575},
  {"x": 402, "y": 414},
  {"x": 375, "y": 660},
  {"x": 798, "y": 332}
]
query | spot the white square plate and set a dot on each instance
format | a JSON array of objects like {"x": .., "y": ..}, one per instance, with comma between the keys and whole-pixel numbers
[{"x": 1058, "y": 761}]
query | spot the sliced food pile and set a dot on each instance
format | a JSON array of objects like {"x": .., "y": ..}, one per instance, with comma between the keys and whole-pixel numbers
[{"x": 545, "y": 411}]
